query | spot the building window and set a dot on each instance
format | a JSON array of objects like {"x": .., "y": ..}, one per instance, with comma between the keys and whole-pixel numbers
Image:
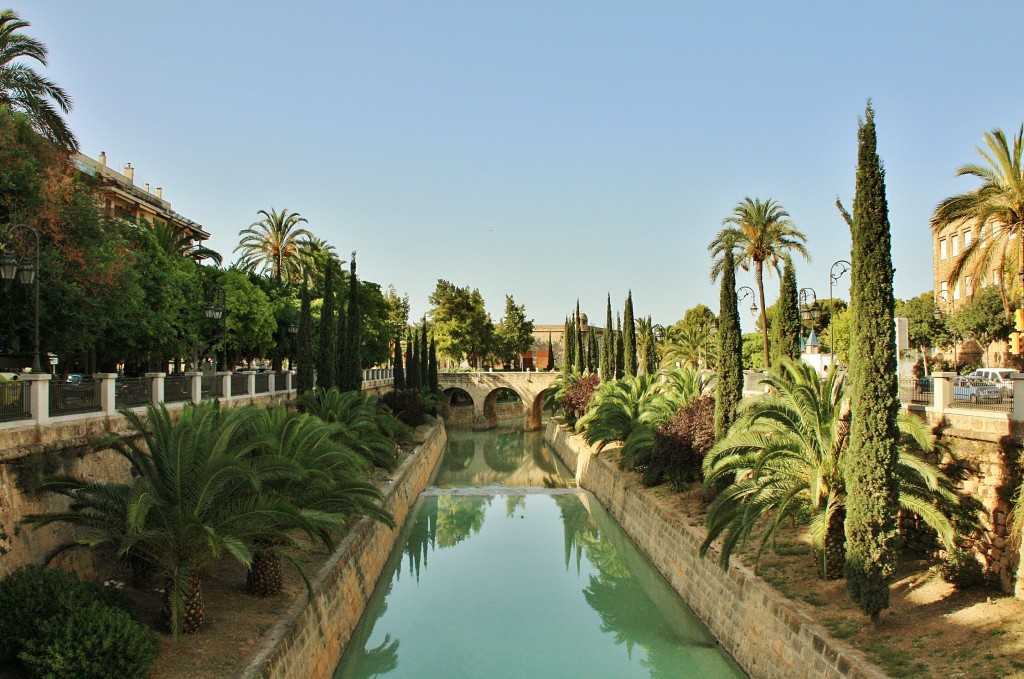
[
  {"x": 956, "y": 243},
  {"x": 956, "y": 290},
  {"x": 967, "y": 286},
  {"x": 981, "y": 237},
  {"x": 967, "y": 238},
  {"x": 944, "y": 291},
  {"x": 942, "y": 249}
]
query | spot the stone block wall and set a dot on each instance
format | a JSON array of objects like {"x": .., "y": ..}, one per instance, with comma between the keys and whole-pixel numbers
[
  {"x": 309, "y": 641},
  {"x": 765, "y": 633}
]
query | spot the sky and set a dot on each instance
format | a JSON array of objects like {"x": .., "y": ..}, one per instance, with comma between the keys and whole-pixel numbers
[{"x": 546, "y": 150}]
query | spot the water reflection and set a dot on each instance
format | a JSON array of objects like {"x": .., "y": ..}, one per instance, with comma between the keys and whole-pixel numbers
[
  {"x": 526, "y": 597},
  {"x": 509, "y": 457}
]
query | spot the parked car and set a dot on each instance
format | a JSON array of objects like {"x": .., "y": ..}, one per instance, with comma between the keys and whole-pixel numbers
[
  {"x": 924, "y": 384},
  {"x": 977, "y": 390},
  {"x": 999, "y": 376}
]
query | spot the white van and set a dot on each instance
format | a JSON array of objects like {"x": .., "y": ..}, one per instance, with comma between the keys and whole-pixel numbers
[{"x": 1000, "y": 376}]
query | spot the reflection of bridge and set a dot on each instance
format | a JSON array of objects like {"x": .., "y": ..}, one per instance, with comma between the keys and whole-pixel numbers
[{"x": 483, "y": 388}]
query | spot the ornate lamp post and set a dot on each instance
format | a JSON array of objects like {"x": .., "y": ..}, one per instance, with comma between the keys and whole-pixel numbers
[
  {"x": 937, "y": 314},
  {"x": 27, "y": 270},
  {"x": 215, "y": 310},
  {"x": 809, "y": 311},
  {"x": 747, "y": 292},
  {"x": 833, "y": 278}
]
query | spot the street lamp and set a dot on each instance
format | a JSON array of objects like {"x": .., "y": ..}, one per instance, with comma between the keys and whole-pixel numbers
[
  {"x": 937, "y": 315},
  {"x": 749, "y": 292},
  {"x": 293, "y": 330},
  {"x": 808, "y": 300},
  {"x": 27, "y": 272},
  {"x": 215, "y": 310},
  {"x": 833, "y": 278}
]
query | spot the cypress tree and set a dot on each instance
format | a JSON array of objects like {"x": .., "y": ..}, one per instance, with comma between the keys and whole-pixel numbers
[
  {"x": 629, "y": 338},
  {"x": 620, "y": 359},
  {"x": 304, "y": 354},
  {"x": 607, "y": 345},
  {"x": 353, "y": 334},
  {"x": 413, "y": 374},
  {"x": 424, "y": 355},
  {"x": 327, "y": 356},
  {"x": 650, "y": 358},
  {"x": 341, "y": 342},
  {"x": 580, "y": 356},
  {"x": 399, "y": 370},
  {"x": 551, "y": 354},
  {"x": 872, "y": 508},
  {"x": 567, "y": 357},
  {"x": 432, "y": 367},
  {"x": 729, "y": 386},
  {"x": 786, "y": 328},
  {"x": 593, "y": 355}
]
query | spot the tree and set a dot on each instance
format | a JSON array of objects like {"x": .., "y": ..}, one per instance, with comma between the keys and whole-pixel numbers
[
  {"x": 25, "y": 92},
  {"x": 997, "y": 207},
  {"x": 579, "y": 360},
  {"x": 838, "y": 336},
  {"x": 413, "y": 361},
  {"x": 788, "y": 454},
  {"x": 551, "y": 355},
  {"x": 514, "y": 334},
  {"x": 873, "y": 502},
  {"x": 432, "y": 367},
  {"x": 424, "y": 355},
  {"x": 729, "y": 386},
  {"x": 607, "y": 345},
  {"x": 304, "y": 357},
  {"x": 274, "y": 245},
  {"x": 785, "y": 324},
  {"x": 924, "y": 330},
  {"x": 462, "y": 326},
  {"x": 567, "y": 355},
  {"x": 327, "y": 356},
  {"x": 620, "y": 356},
  {"x": 982, "y": 319},
  {"x": 397, "y": 361},
  {"x": 759, "y": 234},
  {"x": 352, "y": 377},
  {"x": 248, "y": 316},
  {"x": 645, "y": 345},
  {"x": 629, "y": 337}
]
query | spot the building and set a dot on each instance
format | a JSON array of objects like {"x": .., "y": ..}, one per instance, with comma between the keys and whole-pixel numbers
[
  {"x": 120, "y": 197},
  {"x": 537, "y": 356}
]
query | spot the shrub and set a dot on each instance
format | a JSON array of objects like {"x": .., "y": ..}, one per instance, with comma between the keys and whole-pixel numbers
[
  {"x": 577, "y": 397},
  {"x": 408, "y": 406},
  {"x": 90, "y": 642},
  {"x": 961, "y": 569},
  {"x": 681, "y": 443}
]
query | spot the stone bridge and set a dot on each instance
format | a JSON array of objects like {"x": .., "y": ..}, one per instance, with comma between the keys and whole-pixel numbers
[{"x": 479, "y": 391}]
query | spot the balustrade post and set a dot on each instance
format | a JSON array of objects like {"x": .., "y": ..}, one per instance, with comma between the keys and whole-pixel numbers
[
  {"x": 272, "y": 383},
  {"x": 108, "y": 392},
  {"x": 156, "y": 387},
  {"x": 250, "y": 383},
  {"x": 197, "y": 386},
  {"x": 225, "y": 384},
  {"x": 289, "y": 381},
  {"x": 38, "y": 395},
  {"x": 942, "y": 391}
]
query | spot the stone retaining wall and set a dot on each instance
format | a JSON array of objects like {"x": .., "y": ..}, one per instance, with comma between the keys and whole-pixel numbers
[
  {"x": 309, "y": 641},
  {"x": 764, "y": 632}
]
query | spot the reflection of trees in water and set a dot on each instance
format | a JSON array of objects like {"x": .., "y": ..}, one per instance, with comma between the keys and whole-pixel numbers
[
  {"x": 543, "y": 459},
  {"x": 457, "y": 517},
  {"x": 513, "y": 503},
  {"x": 421, "y": 538},
  {"x": 577, "y": 525},
  {"x": 505, "y": 452},
  {"x": 360, "y": 662},
  {"x": 460, "y": 454}
]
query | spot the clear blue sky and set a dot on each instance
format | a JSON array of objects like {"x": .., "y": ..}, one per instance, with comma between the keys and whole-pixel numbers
[{"x": 548, "y": 150}]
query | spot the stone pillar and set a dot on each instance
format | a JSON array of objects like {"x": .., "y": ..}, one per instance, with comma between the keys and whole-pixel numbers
[
  {"x": 272, "y": 383},
  {"x": 197, "y": 386},
  {"x": 250, "y": 384},
  {"x": 108, "y": 392},
  {"x": 156, "y": 387},
  {"x": 1018, "y": 402},
  {"x": 942, "y": 391},
  {"x": 289, "y": 381},
  {"x": 225, "y": 384},
  {"x": 38, "y": 395}
]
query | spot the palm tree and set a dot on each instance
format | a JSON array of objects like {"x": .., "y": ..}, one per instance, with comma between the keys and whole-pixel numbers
[
  {"x": 194, "y": 497},
  {"x": 364, "y": 426},
  {"x": 759, "y": 233},
  {"x": 24, "y": 91},
  {"x": 785, "y": 457},
  {"x": 274, "y": 244},
  {"x": 997, "y": 207},
  {"x": 175, "y": 241}
]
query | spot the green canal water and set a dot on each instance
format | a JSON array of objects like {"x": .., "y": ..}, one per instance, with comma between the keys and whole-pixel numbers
[{"x": 506, "y": 570}]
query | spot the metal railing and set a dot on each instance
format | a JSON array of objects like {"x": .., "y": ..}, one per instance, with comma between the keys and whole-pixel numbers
[
  {"x": 177, "y": 388},
  {"x": 14, "y": 401},
  {"x": 71, "y": 398},
  {"x": 211, "y": 386},
  {"x": 1004, "y": 404},
  {"x": 915, "y": 391},
  {"x": 133, "y": 392},
  {"x": 262, "y": 383},
  {"x": 239, "y": 385}
]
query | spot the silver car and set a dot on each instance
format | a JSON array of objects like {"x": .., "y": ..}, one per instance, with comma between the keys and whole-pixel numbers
[{"x": 976, "y": 390}]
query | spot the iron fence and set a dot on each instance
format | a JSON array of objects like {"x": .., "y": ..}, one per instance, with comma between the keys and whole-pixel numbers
[
  {"x": 132, "y": 392},
  {"x": 1003, "y": 405},
  {"x": 177, "y": 388},
  {"x": 262, "y": 383},
  {"x": 14, "y": 401},
  {"x": 916, "y": 391},
  {"x": 239, "y": 384},
  {"x": 212, "y": 386},
  {"x": 70, "y": 398}
]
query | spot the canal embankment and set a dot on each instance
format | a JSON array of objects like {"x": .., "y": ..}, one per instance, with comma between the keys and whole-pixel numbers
[
  {"x": 308, "y": 641},
  {"x": 766, "y": 634}
]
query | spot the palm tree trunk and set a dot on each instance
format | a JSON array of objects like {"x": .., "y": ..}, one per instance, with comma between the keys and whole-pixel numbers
[
  {"x": 759, "y": 269},
  {"x": 835, "y": 545},
  {"x": 193, "y": 608}
]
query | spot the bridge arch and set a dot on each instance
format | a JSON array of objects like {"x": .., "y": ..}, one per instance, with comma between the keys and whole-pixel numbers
[
  {"x": 484, "y": 387},
  {"x": 458, "y": 406}
]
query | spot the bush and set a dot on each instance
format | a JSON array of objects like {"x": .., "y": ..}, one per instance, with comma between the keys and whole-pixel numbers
[
  {"x": 577, "y": 397},
  {"x": 91, "y": 642},
  {"x": 680, "y": 445},
  {"x": 961, "y": 569},
  {"x": 408, "y": 406},
  {"x": 41, "y": 607}
]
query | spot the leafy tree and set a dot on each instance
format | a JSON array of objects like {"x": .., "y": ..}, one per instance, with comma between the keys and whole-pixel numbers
[
  {"x": 304, "y": 357},
  {"x": 785, "y": 325},
  {"x": 873, "y": 502},
  {"x": 398, "y": 309},
  {"x": 997, "y": 206},
  {"x": 514, "y": 334},
  {"x": 607, "y": 345},
  {"x": 629, "y": 337},
  {"x": 248, "y": 315},
  {"x": 327, "y": 356},
  {"x": 175, "y": 241},
  {"x": 352, "y": 377},
  {"x": 789, "y": 455},
  {"x": 838, "y": 336},
  {"x": 753, "y": 351},
  {"x": 23, "y": 91},
  {"x": 729, "y": 386},
  {"x": 923, "y": 328},
  {"x": 376, "y": 315},
  {"x": 274, "y": 245},
  {"x": 462, "y": 326},
  {"x": 758, "y": 233},
  {"x": 982, "y": 318}
]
